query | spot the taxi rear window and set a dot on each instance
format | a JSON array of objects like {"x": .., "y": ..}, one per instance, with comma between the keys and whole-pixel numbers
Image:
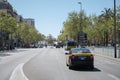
[{"x": 81, "y": 51}]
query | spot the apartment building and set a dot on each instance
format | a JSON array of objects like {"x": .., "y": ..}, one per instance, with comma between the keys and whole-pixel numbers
[{"x": 30, "y": 21}]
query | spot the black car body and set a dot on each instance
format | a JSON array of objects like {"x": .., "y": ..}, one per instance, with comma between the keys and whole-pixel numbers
[{"x": 80, "y": 57}]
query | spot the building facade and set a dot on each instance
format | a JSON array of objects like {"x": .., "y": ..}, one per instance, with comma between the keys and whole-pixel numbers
[
  {"x": 30, "y": 21},
  {"x": 7, "y": 7},
  {"x": 5, "y": 38}
]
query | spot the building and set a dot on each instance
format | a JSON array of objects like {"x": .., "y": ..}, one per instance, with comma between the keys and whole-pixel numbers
[
  {"x": 7, "y": 7},
  {"x": 19, "y": 19},
  {"x": 30, "y": 21},
  {"x": 3, "y": 0}
]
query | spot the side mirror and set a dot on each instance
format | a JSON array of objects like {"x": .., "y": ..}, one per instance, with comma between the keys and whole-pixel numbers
[{"x": 66, "y": 52}]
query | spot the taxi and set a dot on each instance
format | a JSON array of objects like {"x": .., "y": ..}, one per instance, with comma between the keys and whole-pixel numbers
[{"x": 80, "y": 57}]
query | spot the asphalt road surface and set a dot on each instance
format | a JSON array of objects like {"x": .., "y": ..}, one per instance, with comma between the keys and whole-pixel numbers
[{"x": 50, "y": 64}]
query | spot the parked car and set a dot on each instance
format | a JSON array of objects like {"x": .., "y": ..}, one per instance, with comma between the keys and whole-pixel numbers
[
  {"x": 27, "y": 46},
  {"x": 41, "y": 46},
  {"x": 80, "y": 57}
]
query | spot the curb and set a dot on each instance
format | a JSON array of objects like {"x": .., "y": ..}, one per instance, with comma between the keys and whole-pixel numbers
[{"x": 115, "y": 59}]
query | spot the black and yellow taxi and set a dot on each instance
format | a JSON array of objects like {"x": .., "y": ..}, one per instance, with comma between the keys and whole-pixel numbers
[{"x": 80, "y": 57}]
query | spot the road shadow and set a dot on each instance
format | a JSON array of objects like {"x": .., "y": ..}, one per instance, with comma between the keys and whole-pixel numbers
[
  {"x": 15, "y": 50},
  {"x": 10, "y": 52},
  {"x": 4, "y": 54},
  {"x": 85, "y": 69}
]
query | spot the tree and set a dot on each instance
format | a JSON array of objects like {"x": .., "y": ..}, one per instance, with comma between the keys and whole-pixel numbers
[
  {"x": 7, "y": 27},
  {"x": 50, "y": 39},
  {"x": 28, "y": 34},
  {"x": 99, "y": 28},
  {"x": 72, "y": 25},
  {"x": 106, "y": 18}
]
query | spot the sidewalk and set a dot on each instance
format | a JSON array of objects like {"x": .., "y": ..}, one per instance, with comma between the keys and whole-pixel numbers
[
  {"x": 105, "y": 56},
  {"x": 7, "y": 53},
  {"x": 107, "y": 52}
]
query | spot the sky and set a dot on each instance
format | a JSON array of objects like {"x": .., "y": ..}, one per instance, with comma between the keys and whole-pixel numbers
[{"x": 49, "y": 15}]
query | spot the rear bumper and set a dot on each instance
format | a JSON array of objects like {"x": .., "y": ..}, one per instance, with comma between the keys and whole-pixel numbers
[{"x": 82, "y": 63}]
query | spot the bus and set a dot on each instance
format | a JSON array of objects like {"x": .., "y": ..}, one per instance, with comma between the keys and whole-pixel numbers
[{"x": 70, "y": 44}]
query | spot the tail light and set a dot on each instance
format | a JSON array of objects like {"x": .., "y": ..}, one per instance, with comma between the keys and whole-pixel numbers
[
  {"x": 72, "y": 57},
  {"x": 91, "y": 57}
]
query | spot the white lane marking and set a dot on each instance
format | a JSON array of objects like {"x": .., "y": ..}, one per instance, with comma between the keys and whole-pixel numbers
[
  {"x": 18, "y": 73},
  {"x": 114, "y": 77}
]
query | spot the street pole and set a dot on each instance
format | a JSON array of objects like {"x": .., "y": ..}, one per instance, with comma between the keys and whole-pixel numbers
[
  {"x": 81, "y": 34},
  {"x": 115, "y": 53},
  {"x": 80, "y": 16}
]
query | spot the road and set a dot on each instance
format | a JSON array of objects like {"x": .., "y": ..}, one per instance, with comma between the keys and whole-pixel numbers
[
  {"x": 49, "y": 64},
  {"x": 11, "y": 59}
]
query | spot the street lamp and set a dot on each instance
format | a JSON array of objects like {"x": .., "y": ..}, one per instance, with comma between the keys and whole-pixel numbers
[
  {"x": 80, "y": 16},
  {"x": 81, "y": 35},
  {"x": 115, "y": 53}
]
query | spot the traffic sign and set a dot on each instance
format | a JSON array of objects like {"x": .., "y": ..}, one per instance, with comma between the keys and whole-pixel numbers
[{"x": 82, "y": 39}]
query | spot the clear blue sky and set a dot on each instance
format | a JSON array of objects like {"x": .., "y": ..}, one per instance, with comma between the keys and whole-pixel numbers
[{"x": 49, "y": 15}]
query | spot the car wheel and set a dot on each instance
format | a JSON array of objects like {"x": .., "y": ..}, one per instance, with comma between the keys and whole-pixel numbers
[
  {"x": 67, "y": 64},
  {"x": 70, "y": 67}
]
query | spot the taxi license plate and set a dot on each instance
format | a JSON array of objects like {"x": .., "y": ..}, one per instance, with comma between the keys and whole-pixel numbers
[{"x": 82, "y": 57}]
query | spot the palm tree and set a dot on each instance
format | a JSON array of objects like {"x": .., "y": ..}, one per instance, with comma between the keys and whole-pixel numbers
[{"x": 105, "y": 18}]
